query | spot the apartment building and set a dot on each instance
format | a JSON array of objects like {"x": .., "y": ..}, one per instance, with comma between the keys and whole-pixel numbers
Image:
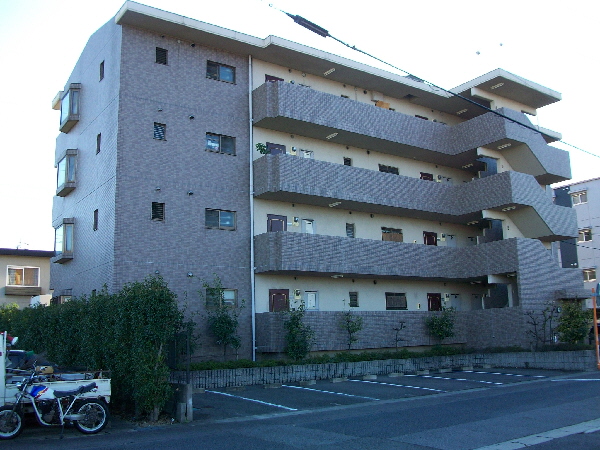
[{"x": 188, "y": 150}]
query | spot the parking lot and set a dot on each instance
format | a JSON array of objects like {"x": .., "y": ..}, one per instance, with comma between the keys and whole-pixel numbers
[{"x": 219, "y": 404}]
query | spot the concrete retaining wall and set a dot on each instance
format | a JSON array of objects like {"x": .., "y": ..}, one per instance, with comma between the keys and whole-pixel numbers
[{"x": 211, "y": 379}]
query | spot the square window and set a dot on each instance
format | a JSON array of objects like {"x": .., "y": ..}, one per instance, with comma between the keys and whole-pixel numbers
[
  {"x": 220, "y": 72},
  {"x": 395, "y": 301},
  {"x": 347, "y": 161},
  {"x": 353, "y": 299},
  {"x": 217, "y": 297},
  {"x": 579, "y": 197},
  {"x": 158, "y": 211},
  {"x": 220, "y": 144},
  {"x": 102, "y": 71},
  {"x": 220, "y": 219},
  {"x": 585, "y": 235},
  {"x": 160, "y": 131},
  {"x": 98, "y": 142},
  {"x": 161, "y": 55}
]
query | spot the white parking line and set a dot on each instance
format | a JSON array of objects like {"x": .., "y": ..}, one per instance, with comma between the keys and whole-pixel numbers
[
  {"x": 399, "y": 385},
  {"x": 329, "y": 392},
  {"x": 461, "y": 379},
  {"x": 252, "y": 400},
  {"x": 509, "y": 374}
]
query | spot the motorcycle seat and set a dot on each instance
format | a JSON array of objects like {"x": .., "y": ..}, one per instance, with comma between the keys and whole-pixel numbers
[{"x": 78, "y": 391}]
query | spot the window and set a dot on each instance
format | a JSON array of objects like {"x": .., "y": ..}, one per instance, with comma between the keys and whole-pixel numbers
[
  {"x": 161, "y": 55},
  {"x": 347, "y": 161},
  {"x": 585, "y": 235},
  {"x": 69, "y": 108},
  {"x": 579, "y": 197},
  {"x": 95, "y": 226},
  {"x": 63, "y": 241},
  {"x": 102, "y": 71},
  {"x": 160, "y": 131},
  {"x": 392, "y": 234},
  {"x": 220, "y": 220},
  {"x": 272, "y": 79},
  {"x": 353, "y": 299},
  {"x": 158, "y": 211},
  {"x": 23, "y": 276},
  {"x": 426, "y": 176},
  {"x": 216, "y": 297},
  {"x": 589, "y": 274},
  {"x": 221, "y": 72},
  {"x": 65, "y": 173},
  {"x": 98, "y": 142},
  {"x": 388, "y": 169},
  {"x": 311, "y": 300},
  {"x": 220, "y": 144},
  {"x": 350, "y": 230},
  {"x": 395, "y": 301}
]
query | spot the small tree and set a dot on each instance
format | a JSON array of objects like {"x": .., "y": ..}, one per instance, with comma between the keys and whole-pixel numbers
[
  {"x": 222, "y": 318},
  {"x": 442, "y": 326},
  {"x": 299, "y": 337},
  {"x": 262, "y": 149},
  {"x": 573, "y": 324},
  {"x": 541, "y": 329},
  {"x": 351, "y": 324}
]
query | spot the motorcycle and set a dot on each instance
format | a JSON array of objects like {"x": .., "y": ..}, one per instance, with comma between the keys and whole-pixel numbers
[{"x": 53, "y": 407}]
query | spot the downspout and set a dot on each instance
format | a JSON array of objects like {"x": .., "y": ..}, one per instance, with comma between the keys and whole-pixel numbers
[{"x": 253, "y": 303}]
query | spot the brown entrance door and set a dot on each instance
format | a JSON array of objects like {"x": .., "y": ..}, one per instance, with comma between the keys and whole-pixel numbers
[
  {"x": 435, "y": 302},
  {"x": 279, "y": 300},
  {"x": 276, "y": 223},
  {"x": 429, "y": 238}
]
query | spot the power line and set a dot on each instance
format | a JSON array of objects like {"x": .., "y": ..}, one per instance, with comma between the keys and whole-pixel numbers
[{"x": 325, "y": 33}]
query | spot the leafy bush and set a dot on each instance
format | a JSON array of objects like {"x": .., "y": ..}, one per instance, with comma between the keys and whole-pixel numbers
[
  {"x": 574, "y": 323},
  {"x": 441, "y": 326},
  {"x": 299, "y": 337}
]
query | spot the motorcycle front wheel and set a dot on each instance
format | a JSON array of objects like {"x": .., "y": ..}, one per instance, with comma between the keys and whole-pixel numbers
[
  {"x": 11, "y": 423},
  {"x": 96, "y": 416}
]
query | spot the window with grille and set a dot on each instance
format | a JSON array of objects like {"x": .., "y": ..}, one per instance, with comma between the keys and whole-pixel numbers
[
  {"x": 220, "y": 72},
  {"x": 158, "y": 211},
  {"x": 585, "y": 235},
  {"x": 395, "y": 301},
  {"x": 160, "y": 131},
  {"x": 220, "y": 144},
  {"x": 353, "y": 299},
  {"x": 220, "y": 219},
  {"x": 161, "y": 55},
  {"x": 579, "y": 197},
  {"x": 350, "y": 230},
  {"x": 388, "y": 169}
]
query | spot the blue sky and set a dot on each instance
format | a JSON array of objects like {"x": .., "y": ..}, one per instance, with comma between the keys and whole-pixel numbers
[{"x": 447, "y": 43}]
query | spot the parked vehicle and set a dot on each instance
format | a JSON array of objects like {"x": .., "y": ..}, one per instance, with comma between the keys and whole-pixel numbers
[{"x": 55, "y": 399}]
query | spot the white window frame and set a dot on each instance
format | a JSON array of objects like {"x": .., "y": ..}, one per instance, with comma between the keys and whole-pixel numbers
[
  {"x": 583, "y": 233},
  {"x": 581, "y": 197},
  {"x": 589, "y": 274},
  {"x": 23, "y": 268}
]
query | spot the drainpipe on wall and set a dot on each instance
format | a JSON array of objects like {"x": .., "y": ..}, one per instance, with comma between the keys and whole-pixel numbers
[{"x": 251, "y": 210}]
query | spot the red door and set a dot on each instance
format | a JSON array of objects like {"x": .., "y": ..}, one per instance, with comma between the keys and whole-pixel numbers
[
  {"x": 435, "y": 302},
  {"x": 279, "y": 300},
  {"x": 429, "y": 238}
]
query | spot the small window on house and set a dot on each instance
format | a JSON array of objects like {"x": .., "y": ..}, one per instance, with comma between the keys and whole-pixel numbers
[
  {"x": 347, "y": 161},
  {"x": 95, "y": 227},
  {"x": 220, "y": 144},
  {"x": 216, "y": 298},
  {"x": 23, "y": 276},
  {"x": 220, "y": 72},
  {"x": 579, "y": 197},
  {"x": 98, "y": 142},
  {"x": 395, "y": 301},
  {"x": 272, "y": 79},
  {"x": 219, "y": 219},
  {"x": 388, "y": 169},
  {"x": 392, "y": 234},
  {"x": 158, "y": 211},
  {"x": 161, "y": 56},
  {"x": 585, "y": 235},
  {"x": 426, "y": 176},
  {"x": 350, "y": 230},
  {"x": 353, "y": 299},
  {"x": 160, "y": 131},
  {"x": 102, "y": 71},
  {"x": 589, "y": 274}
]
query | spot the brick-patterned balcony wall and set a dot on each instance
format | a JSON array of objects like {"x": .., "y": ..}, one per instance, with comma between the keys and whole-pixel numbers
[
  {"x": 285, "y": 177},
  {"x": 294, "y": 109},
  {"x": 497, "y": 327},
  {"x": 211, "y": 379}
]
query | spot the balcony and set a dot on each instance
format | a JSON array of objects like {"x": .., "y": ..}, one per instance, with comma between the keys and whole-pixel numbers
[
  {"x": 300, "y": 110},
  {"x": 318, "y": 183}
]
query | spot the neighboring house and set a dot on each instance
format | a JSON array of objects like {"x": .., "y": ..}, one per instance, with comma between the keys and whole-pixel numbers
[
  {"x": 25, "y": 274},
  {"x": 379, "y": 195},
  {"x": 585, "y": 198}
]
